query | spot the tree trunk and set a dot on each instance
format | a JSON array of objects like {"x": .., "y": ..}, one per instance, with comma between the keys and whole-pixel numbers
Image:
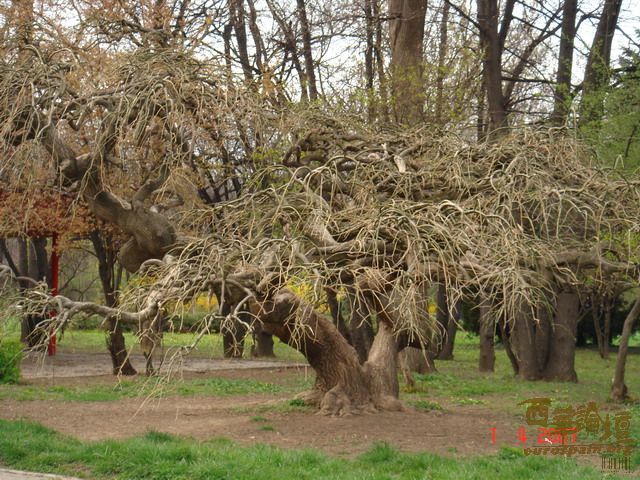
[
  {"x": 562, "y": 346},
  {"x": 506, "y": 341},
  {"x": 262, "y": 342},
  {"x": 619, "y": 391},
  {"x": 360, "y": 326},
  {"x": 343, "y": 385},
  {"x": 523, "y": 343},
  {"x": 562, "y": 93},
  {"x": 406, "y": 34},
  {"x": 106, "y": 254},
  {"x": 487, "y": 334},
  {"x": 492, "y": 64},
  {"x": 596, "y": 73},
  {"x": 606, "y": 336},
  {"x": 306, "y": 49},
  {"x": 448, "y": 320},
  {"x": 596, "y": 314},
  {"x": 442, "y": 58}
]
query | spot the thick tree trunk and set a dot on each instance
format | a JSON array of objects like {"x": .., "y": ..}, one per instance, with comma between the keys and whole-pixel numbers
[
  {"x": 562, "y": 345},
  {"x": 487, "y": 334},
  {"x": 523, "y": 343},
  {"x": 360, "y": 326},
  {"x": 406, "y": 34},
  {"x": 262, "y": 342},
  {"x": 619, "y": 391},
  {"x": 343, "y": 385}
]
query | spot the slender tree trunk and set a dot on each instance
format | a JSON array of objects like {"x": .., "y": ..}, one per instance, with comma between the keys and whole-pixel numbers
[
  {"x": 619, "y": 391},
  {"x": 596, "y": 73},
  {"x": 606, "y": 336},
  {"x": 369, "y": 59},
  {"x": 596, "y": 314},
  {"x": 307, "y": 51},
  {"x": 562, "y": 93},
  {"x": 236, "y": 14},
  {"x": 379, "y": 57},
  {"x": 506, "y": 341},
  {"x": 442, "y": 58},
  {"x": 106, "y": 255},
  {"x": 487, "y": 334},
  {"x": 451, "y": 327},
  {"x": 492, "y": 64}
]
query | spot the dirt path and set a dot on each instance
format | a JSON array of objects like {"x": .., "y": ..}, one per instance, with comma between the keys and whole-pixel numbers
[
  {"x": 463, "y": 430},
  {"x": 247, "y": 419}
]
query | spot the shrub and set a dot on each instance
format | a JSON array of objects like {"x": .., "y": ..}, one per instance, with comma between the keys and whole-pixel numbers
[{"x": 10, "y": 357}]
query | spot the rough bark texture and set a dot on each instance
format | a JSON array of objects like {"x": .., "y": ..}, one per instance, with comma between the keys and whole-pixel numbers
[
  {"x": 487, "y": 333},
  {"x": 406, "y": 33},
  {"x": 544, "y": 347},
  {"x": 596, "y": 73},
  {"x": 343, "y": 385},
  {"x": 619, "y": 391},
  {"x": 492, "y": 63},
  {"x": 360, "y": 328},
  {"x": 562, "y": 343},
  {"x": 109, "y": 280},
  {"x": 562, "y": 93},
  {"x": 262, "y": 342}
]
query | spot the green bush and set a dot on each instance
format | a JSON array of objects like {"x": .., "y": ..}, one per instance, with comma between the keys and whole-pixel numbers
[{"x": 10, "y": 357}]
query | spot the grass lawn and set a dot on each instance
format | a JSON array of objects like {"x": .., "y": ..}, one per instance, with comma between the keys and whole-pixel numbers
[{"x": 158, "y": 456}]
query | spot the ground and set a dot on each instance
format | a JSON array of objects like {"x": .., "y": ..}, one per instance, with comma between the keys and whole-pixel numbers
[{"x": 251, "y": 402}]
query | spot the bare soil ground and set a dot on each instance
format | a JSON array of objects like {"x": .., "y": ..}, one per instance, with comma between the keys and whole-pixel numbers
[{"x": 458, "y": 430}]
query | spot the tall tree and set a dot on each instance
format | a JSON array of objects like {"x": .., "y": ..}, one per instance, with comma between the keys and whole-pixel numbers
[
  {"x": 597, "y": 73},
  {"x": 406, "y": 34}
]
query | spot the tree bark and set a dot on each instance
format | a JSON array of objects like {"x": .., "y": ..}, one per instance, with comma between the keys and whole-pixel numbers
[
  {"x": 487, "y": 334},
  {"x": 360, "y": 326},
  {"x": 262, "y": 342},
  {"x": 562, "y": 93},
  {"x": 492, "y": 64},
  {"x": 406, "y": 34},
  {"x": 619, "y": 391},
  {"x": 109, "y": 280},
  {"x": 307, "y": 51},
  {"x": 343, "y": 385},
  {"x": 562, "y": 346},
  {"x": 596, "y": 73},
  {"x": 442, "y": 58},
  {"x": 524, "y": 346}
]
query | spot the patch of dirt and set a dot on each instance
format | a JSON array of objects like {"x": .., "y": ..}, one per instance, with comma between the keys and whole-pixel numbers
[{"x": 457, "y": 430}]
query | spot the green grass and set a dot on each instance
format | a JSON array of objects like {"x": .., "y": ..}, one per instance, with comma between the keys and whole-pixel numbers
[
  {"x": 158, "y": 456},
  {"x": 210, "y": 346},
  {"x": 139, "y": 387}
]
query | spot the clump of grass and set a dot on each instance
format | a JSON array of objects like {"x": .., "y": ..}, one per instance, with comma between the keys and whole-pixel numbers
[
  {"x": 10, "y": 358},
  {"x": 267, "y": 428},
  {"x": 427, "y": 405},
  {"x": 259, "y": 419}
]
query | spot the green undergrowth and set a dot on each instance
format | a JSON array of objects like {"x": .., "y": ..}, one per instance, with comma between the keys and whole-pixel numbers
[{"x": 159, "y": 456}]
